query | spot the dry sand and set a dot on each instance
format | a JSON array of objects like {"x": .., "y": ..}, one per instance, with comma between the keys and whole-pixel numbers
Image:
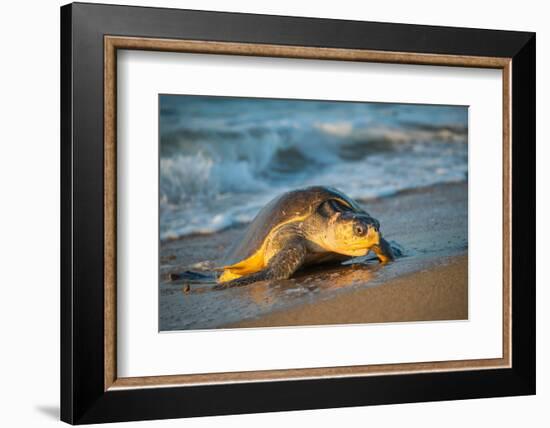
[{"x": 428, "y": 283}]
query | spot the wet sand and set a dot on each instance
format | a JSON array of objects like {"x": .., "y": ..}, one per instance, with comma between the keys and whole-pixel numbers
[
  {"x": 428, "y": 283},
  {"x": 440, "y": 293}
]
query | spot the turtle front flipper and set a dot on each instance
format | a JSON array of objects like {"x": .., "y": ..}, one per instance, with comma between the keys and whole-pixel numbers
[
  {"x": 282, "y": 265},
  {"x": 383, "y": 251}
]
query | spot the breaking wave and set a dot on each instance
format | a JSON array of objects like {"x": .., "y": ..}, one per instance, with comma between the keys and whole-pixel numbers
[{"x": 222, "y": 158}]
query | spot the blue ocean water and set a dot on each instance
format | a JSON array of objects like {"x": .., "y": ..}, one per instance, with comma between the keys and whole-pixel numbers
[{"x": 223, "y": 158}]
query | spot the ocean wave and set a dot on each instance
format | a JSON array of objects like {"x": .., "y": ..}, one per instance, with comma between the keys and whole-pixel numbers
[{"x": 221, "y": 164}]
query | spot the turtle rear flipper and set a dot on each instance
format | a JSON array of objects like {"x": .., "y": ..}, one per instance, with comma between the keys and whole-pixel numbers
[{"x": 192, "y": 276}]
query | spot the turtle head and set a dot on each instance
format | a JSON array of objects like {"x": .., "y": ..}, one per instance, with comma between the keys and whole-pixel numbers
[{"x": 352, "y": 233}]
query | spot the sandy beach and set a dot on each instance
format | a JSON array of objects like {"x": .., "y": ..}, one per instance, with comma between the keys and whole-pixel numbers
[
  {"x": 435, "y": 294},
  {"x": 429, "y": 282}
]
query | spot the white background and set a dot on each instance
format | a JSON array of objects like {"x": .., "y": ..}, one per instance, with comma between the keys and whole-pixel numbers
[
  {"x": 144, "y": 352},
  {"x": 29, "y": 226}
]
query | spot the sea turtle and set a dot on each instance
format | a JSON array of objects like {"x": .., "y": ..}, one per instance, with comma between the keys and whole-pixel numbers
[{"x": 301, "y": 227}]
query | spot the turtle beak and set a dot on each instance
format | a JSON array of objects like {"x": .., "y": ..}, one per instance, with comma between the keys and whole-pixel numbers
[{"x": 374, "y": 234}]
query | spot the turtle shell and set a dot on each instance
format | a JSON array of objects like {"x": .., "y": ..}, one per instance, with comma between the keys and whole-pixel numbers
[{"x": 295, "y": 205}]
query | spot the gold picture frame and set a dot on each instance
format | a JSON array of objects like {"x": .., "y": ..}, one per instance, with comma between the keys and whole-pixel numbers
[{"x": 114, "y": 43}]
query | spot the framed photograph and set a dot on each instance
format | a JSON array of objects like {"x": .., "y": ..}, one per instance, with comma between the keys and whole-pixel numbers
[{"x": 265, "y": 213}]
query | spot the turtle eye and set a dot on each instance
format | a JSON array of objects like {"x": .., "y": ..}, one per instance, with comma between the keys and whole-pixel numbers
[{"x": 360, "y": 230}]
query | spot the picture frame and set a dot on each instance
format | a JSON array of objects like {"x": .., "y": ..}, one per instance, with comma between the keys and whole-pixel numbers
[{"x": 91, "y": 35}]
